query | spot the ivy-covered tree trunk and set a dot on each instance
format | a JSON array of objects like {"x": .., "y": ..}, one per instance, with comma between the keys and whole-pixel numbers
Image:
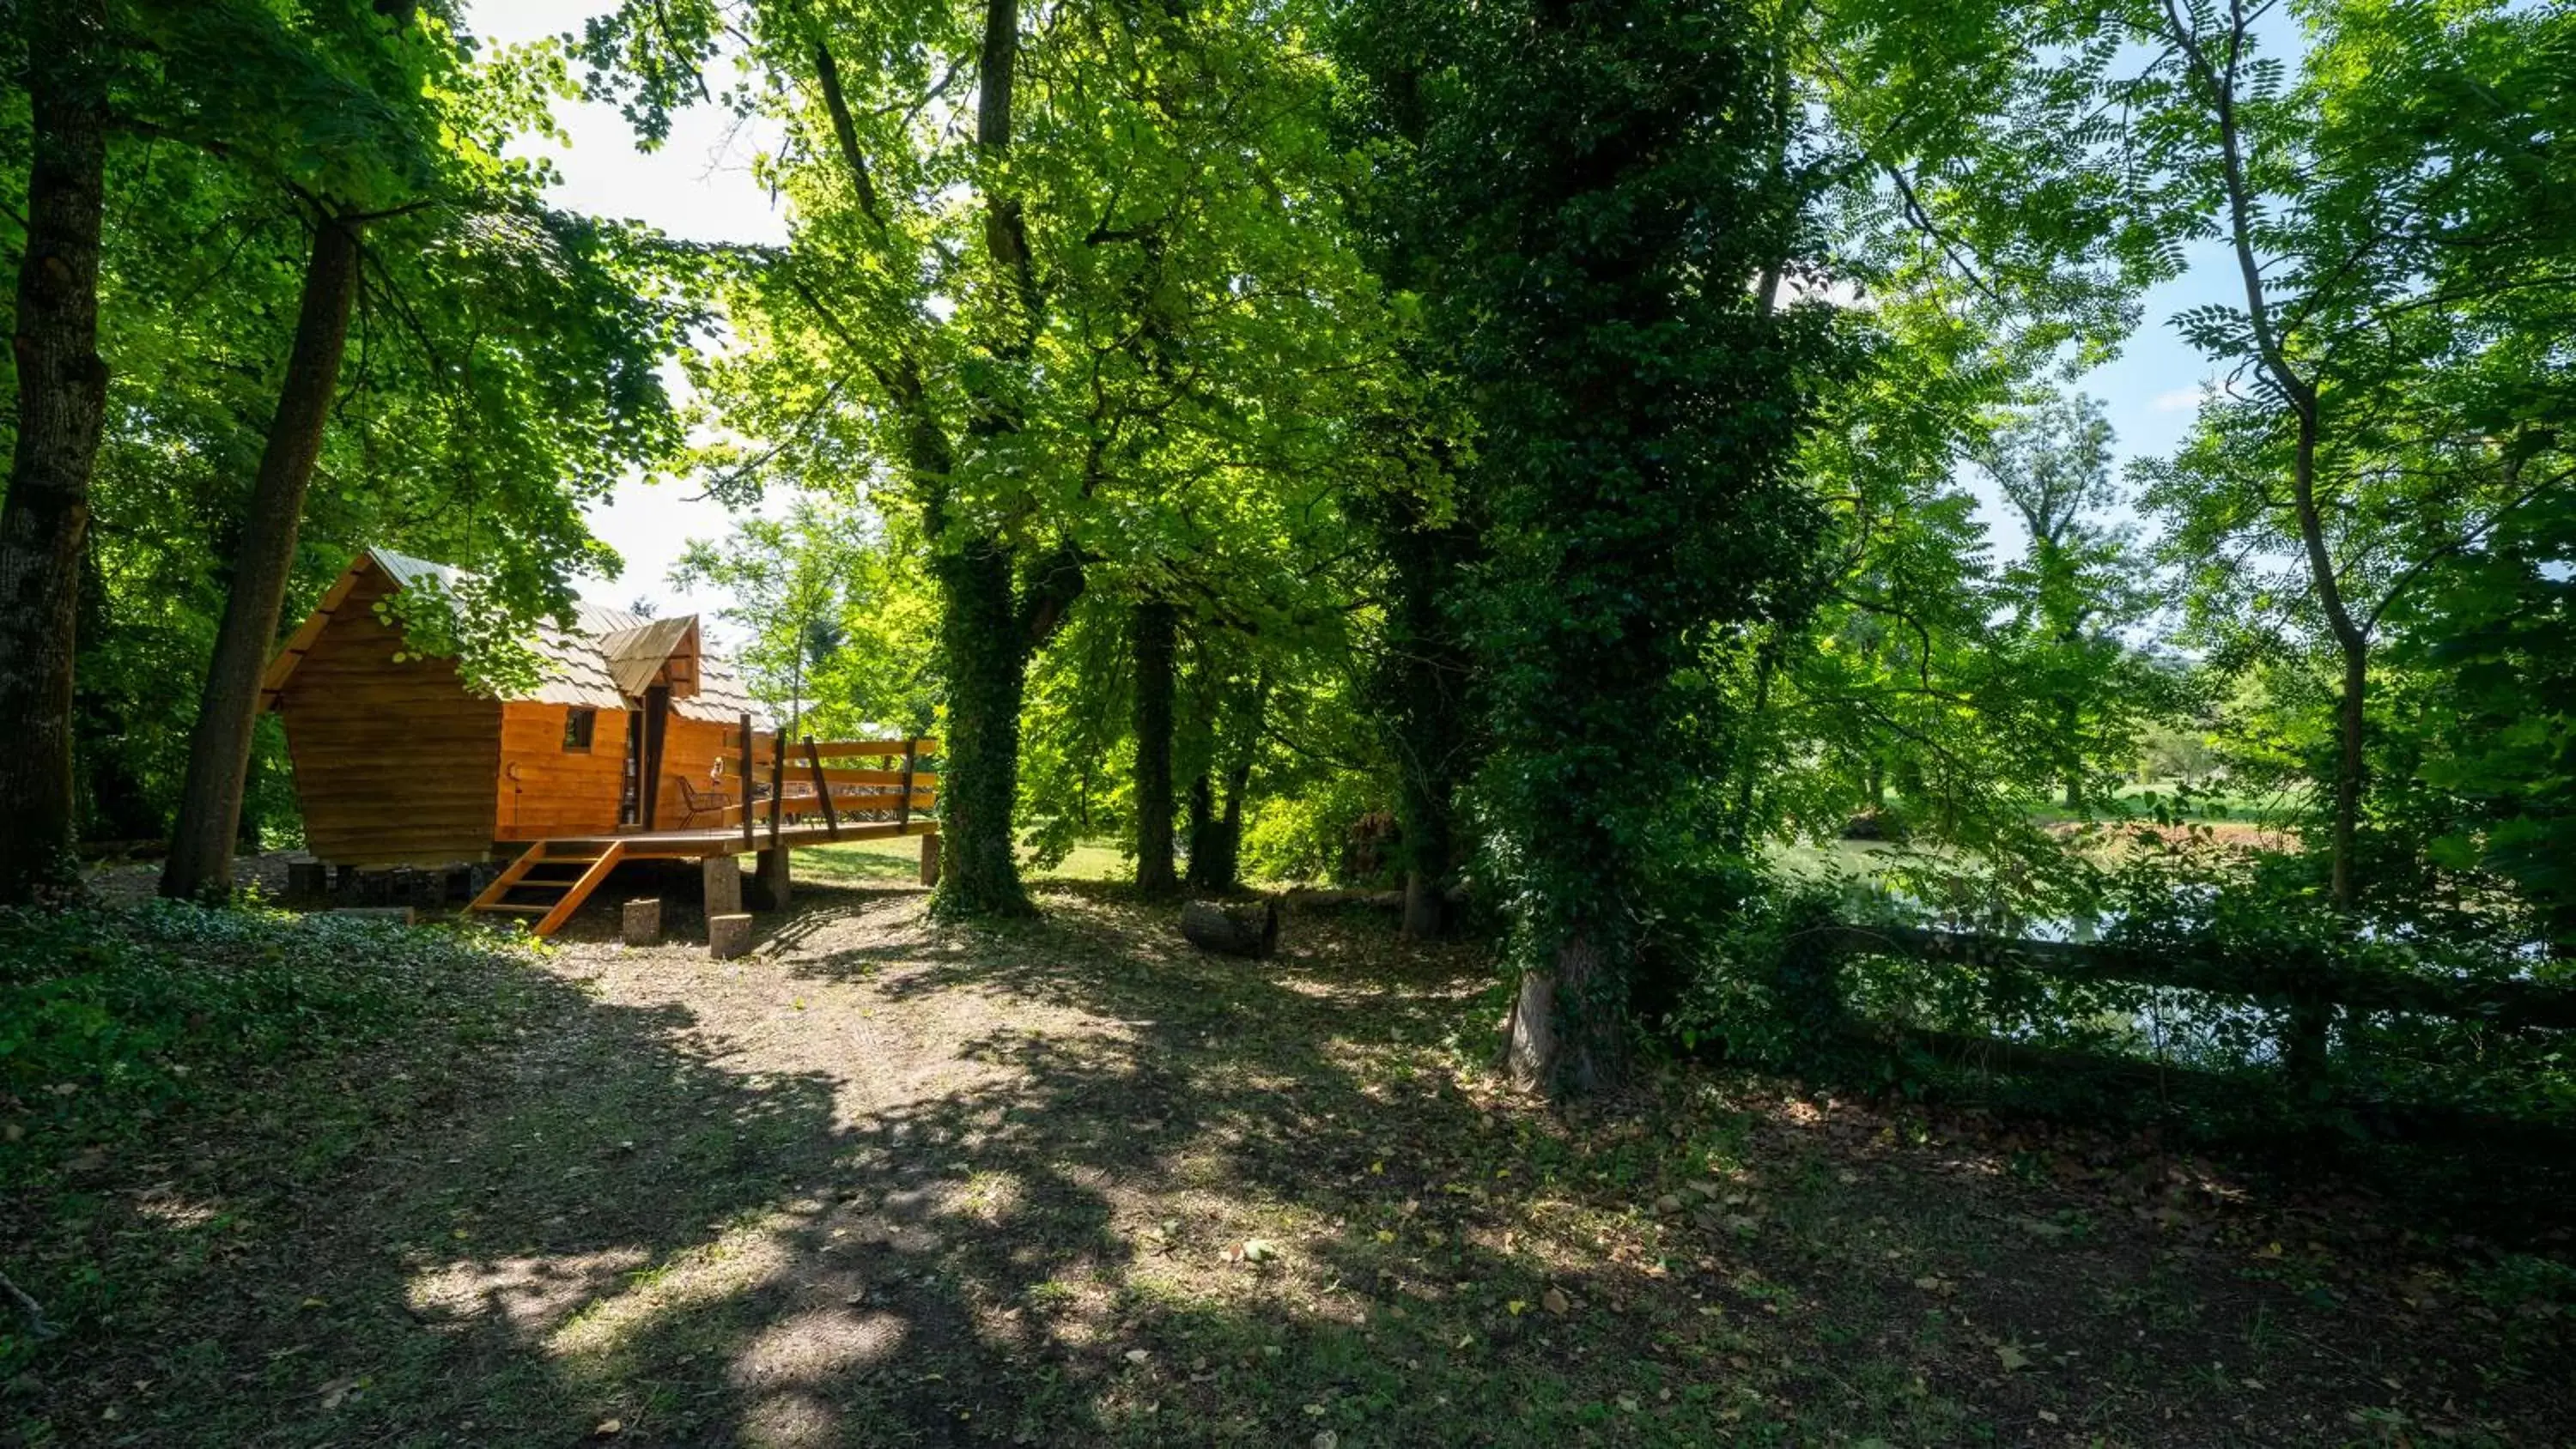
[
  {"x": 1155, "y": 626},
  {"x": 986, "y": 659},
  {"x": 201, "y": 843},
  {"x": 62, "y": 399},
  {"x": 1637, "y": 407},
  {"x": 1429, "y": 670}
]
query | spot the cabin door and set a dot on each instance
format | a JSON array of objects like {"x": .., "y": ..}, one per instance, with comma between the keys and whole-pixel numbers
[{"x": 644, "y": 731}]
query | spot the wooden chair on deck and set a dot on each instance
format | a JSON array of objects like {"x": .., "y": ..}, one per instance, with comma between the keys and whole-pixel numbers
[{"x": 719, "y": 805}]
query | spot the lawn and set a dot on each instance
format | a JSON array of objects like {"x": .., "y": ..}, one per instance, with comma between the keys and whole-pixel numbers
[
  {"x": 1067, "y": 1182},
  {"x": 868, "y": 861}
]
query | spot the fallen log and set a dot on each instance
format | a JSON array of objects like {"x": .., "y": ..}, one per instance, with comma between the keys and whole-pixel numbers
[{"x": 1249, "y": 929}]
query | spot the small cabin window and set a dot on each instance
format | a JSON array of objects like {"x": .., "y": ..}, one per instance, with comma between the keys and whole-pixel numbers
[{"x": 577, "y": 727}]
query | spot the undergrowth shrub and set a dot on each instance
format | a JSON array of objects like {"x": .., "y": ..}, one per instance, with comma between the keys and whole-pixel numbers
[
  {"x": 1309, "y": 836},
  {"x": 1755, "y": 990},
  {"x": 121, "y": 1025},
  {"x": 2210, "y": 1062},
  {"x": 111, "y": 1015}
]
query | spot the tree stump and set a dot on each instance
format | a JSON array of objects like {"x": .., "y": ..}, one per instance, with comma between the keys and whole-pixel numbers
[
  {"x": 1250, "y": 929},
  {"x": 642, "y": 925},
  {"x": 728, "y": 936}
]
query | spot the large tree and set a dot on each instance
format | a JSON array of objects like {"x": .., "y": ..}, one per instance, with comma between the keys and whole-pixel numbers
[
  {"x": 373, "y": 63},
  {"x": 2395, "y": 224},
  {"x": 1030, "y": 323},
  {"x": 62, "y": 387},
  {"x": 1599, "y": 184},
  {"x": 507, "y": 350},
  {"x": 2080, "y": 580}
]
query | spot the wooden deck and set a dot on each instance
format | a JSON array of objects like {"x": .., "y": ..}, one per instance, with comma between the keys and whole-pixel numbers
[
  {"x": 555, "y": 870},
  {"x": 717, "y": 840},
  {"x": 553, "y": 875}
]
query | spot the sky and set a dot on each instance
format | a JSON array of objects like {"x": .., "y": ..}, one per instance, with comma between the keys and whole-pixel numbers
[{"x": 699, "y": 187}]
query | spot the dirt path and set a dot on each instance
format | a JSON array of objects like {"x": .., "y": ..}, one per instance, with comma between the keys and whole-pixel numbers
[{"x": 1070, "y": 1183}]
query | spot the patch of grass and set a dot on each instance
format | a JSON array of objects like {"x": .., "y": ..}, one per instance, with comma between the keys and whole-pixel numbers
[
  {"x": 1066, "y": 1181},
  {"x": 872, "y": 861},
  {"x": 111, "y": 1018},
  {"x": 225, "y": 1058}
]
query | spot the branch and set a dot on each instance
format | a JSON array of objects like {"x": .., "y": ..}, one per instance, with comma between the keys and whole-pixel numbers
[
  {"x": 1922, "y": 218},
  {"x": 2400, "y": 584},
  {"x": 1049, "y": 596},
  {"x": 2219, "y": 89},
  {"x": 1006, "y": 232},
  {"x": 37, "y": 1326},
  {"x": 845, "y": 132}
]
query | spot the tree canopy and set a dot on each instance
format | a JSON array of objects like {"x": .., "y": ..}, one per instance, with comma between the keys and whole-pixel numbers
[{"x": 1569, "y": 460}]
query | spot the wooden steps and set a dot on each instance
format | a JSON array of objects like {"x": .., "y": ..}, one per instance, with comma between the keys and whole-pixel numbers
[{"x": 549, "y": 882}]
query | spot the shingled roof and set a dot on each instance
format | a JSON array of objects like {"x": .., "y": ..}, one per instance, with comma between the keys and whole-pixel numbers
[{"x": 579, "y": 666}]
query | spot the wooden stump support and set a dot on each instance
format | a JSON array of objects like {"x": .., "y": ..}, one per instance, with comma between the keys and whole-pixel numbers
[
  {"x": 773, "y": 877},
  {"x": 642, "y": 923},
  {"x": 723, "y": 877},
  {"x": 728, "y": 936},
  {"x": 1250, "y": 929}
]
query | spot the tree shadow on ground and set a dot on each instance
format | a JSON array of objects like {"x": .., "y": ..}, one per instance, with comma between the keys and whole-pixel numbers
[{"x": 1071, "y": 1182}]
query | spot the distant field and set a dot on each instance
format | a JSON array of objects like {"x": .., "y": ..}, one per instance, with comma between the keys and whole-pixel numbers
[
  {"x": 900, "y": 860},
  {"x": 2262, "y": 807}
]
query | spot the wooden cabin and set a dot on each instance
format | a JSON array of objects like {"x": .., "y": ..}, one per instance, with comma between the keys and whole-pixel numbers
[{"x": 632, "y": 725}]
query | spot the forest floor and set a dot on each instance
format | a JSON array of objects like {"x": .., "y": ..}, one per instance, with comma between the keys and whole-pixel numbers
[{"x": 1068, "y": 1182}]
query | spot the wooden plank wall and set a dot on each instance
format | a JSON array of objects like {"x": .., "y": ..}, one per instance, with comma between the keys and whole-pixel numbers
[
  {"x": 546, "y": 789},
  {"x": 689, "y": 748},
  {"x": 393, "y": 762}
]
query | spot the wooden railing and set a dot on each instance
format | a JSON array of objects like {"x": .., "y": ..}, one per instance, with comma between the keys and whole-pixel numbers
[
  {"x": 2311, "y": 984},
  {"x": 898, "y": 783}
]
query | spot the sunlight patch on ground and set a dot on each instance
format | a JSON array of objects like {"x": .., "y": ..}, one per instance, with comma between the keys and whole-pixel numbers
[
  {"x": 168, "y": 1211},
  {"x": 530, "y": 1294},
  {"x": 815, "y": 1345},
  {"x": 735, "y": 1265}
]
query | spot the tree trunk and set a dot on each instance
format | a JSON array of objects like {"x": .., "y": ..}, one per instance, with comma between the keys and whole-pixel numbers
[
  {"x": 1431, "y": 734},
  {"x": 987, "y": 666},
  {"x": 2349, "y": 640},
  {"x": 62, "y": 400},
  {"x": 1216, "y": 839},
  {"x": 201, "y": 844},
  {"x": 1426, "y": 908},
  {"x": 2349, "y": 767},
  {"x": 1225, "y": 862},
  {"x": 1156, "y": 623},
  {"x": 2069, "y": 723},
  {"x": 1566, "y": 1028},
  {"x": 984, "y": 640},
  {"x": 2306, "y": 405},
  {"x": 1202, "y": 823}
]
